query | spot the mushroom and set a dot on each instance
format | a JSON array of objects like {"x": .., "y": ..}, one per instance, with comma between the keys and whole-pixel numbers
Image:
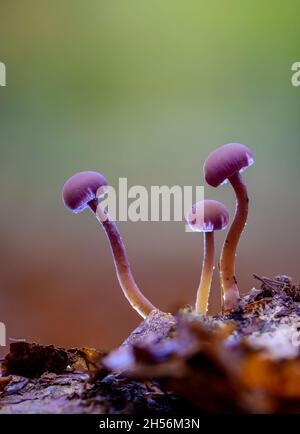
[
  {"x": 80, "y": 192},
  {"x": 207, "y": 216},
  {"x": 226, "y": 164}
]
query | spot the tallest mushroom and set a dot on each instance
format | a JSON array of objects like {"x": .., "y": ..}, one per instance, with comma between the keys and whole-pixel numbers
[{"x": 222, "y": 165}]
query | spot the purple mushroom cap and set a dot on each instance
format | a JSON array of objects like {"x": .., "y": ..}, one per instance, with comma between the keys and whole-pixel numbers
[
  {"x": 226, "y": 161},
  {"x": 81, "y": 189},
  {"x": 208, "y": 216}
]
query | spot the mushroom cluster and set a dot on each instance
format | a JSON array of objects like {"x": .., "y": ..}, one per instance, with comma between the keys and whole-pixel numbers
[
  {"x": 224, "y": 164},
  {"x": 84, "y": 189}
]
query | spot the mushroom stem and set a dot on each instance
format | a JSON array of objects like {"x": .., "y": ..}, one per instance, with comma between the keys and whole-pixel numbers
[
  {"x": 207, "y": 272},
  {"x": 227, "y": 261},
  {"x": 130, "y": 289}
]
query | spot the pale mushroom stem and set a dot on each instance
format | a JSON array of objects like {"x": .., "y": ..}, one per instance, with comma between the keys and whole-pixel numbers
[
  {"x": 130, "y": 289},
  {"x": 207, "y": 272},
  {"x": 227, "y": 261}
]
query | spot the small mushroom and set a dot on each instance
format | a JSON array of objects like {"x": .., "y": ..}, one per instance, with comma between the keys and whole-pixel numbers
[
  {"x": 226, "y": 164},
  {"x": 79, "y": 193},
  {"x": 207, "y": 216}
]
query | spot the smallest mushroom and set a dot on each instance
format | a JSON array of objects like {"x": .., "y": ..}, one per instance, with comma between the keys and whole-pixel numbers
[{"x": 207, "y": 216}]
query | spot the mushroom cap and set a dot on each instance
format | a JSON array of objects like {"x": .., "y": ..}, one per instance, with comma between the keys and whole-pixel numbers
[
  {"x": 225, "y": 161},
  {"x": 81, "y": 189},
  {"x": 208, "y": 216}
]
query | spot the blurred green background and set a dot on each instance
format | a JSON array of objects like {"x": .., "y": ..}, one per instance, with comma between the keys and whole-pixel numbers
[{"x": 144, "y": 90}]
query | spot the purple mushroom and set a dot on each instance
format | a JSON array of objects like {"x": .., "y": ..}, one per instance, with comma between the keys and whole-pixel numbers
[
  {"x": 207, "y": 216},
  {"x": 80, "y": 192},
  {"x": 226, "y": 164}
]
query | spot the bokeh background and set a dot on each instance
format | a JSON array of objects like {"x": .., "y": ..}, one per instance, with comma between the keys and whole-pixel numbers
[{"x": 144, "y": 90}]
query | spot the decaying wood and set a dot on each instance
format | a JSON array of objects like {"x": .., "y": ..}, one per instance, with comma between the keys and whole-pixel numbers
[
  {"x": 46, "y": 379},
  {"x": 156, "y": 327},
  {"x": 247, "y": 360}
]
